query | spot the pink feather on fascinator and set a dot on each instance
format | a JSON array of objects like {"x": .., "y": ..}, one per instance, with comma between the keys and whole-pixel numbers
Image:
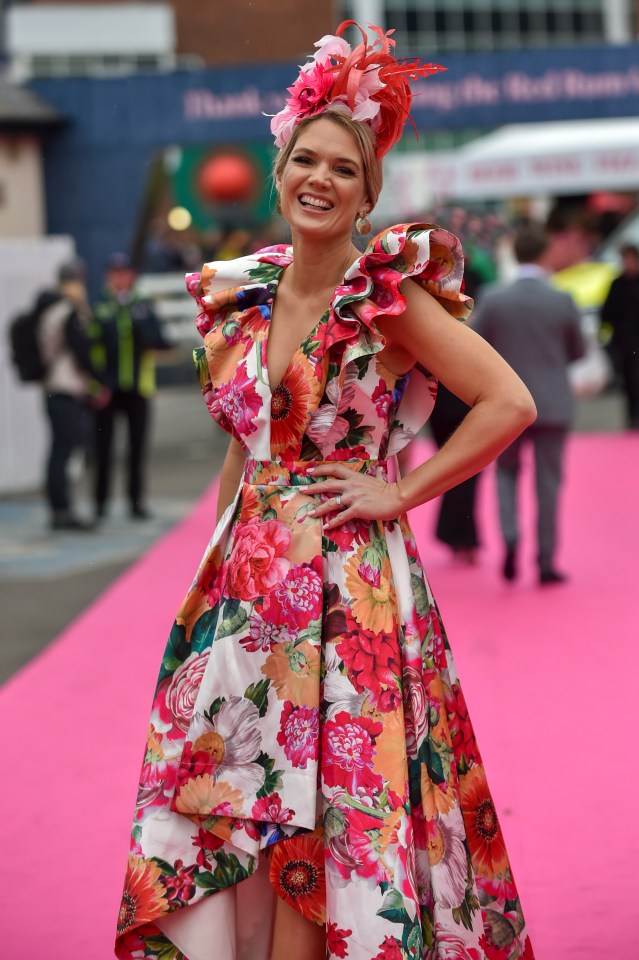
[{"x": 367, "y": 82}]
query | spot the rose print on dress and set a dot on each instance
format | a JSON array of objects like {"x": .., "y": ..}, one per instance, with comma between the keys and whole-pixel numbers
[
  {"x": 302, "y": 725},
  {"x": 258, "y": 561}
]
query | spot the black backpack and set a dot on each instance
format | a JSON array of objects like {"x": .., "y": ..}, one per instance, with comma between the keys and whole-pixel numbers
[{"x": 25, "y": 346}]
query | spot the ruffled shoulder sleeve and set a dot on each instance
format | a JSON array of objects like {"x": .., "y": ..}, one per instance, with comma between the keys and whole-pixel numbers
[
  {"x": 224, "y": 285},
  {"x": 233, "y": 299},
  {"x": 427, "y": 253},
  {"x": 433, "y": 258}
]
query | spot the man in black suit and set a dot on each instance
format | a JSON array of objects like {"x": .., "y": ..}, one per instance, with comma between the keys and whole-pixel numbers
[{"x": 537, "y": 331}]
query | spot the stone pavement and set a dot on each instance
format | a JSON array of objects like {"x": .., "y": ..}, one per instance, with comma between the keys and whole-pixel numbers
[{"x": 47, "y": 579}]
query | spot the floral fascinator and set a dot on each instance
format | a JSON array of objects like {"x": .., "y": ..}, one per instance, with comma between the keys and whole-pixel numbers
[{"x": 366, "y": 82}]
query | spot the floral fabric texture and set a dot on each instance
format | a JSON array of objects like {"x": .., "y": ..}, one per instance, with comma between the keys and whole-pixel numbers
[{"x": 308, "y": 719}]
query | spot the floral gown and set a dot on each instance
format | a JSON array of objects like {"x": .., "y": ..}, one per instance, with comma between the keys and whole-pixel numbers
[{"x": 308, "y": 719}]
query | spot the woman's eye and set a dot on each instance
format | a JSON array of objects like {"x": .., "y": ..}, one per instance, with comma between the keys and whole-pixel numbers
[
  {"x": 346, "y": 170},
  {"x": 302, "y": 159}
]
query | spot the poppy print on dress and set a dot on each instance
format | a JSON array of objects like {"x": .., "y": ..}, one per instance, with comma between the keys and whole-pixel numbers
[{"x": 308, "y": 718}]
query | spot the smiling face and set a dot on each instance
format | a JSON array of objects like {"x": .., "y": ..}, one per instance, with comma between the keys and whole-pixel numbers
[{"x": 322, "y": 186}]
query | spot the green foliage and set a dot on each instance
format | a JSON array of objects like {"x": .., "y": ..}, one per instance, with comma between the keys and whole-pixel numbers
[
  {"x": 309, "y": 346},
  {"x": 164, "y": 865},
  {"x": 228, "y": 871},
  {"x": 334, "y": 822},
  {"x": 420, "y": 593},
  {"x": 214, "y": 708},
  {"x": 230, "y": 328},
  {"x": 266, "y": 272},
  {"x": 429, "y": 755},
  {"x": 177, "y": 650},
  {"x": 357, "y": 434},
  {"x": 235, "y": 617},
  {"x": 159, "y": 948},
  {"x": 204, "y": 630},
  {"x": 309, "y": 451},
  {"x": 463, "y": 765},
  {"x": 463, "y": 914},
  {"x": 329, "y": 546},
  {"x": 412, "y": 940},
  {"x": 362, "y": 364},
  {"x": 273, "y": 778},
  {"x": 257, "y": 693},
  {"x": 201, "y": 366},
  {"x": 415, "y": 782},
  {"x": 393, "y": 908},
  {"x": 428, "y": 927}
]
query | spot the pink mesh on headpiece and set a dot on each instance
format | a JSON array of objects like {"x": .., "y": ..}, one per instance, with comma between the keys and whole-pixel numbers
[{"x": 367, "y": 82}]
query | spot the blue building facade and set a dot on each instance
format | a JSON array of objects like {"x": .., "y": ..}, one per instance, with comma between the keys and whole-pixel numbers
[{"x": 97, "y": 166}]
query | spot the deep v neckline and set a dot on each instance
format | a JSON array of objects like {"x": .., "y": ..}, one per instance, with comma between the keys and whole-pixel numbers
[
  {"x": 316, "y": 328},
  {"x": 312, "y": 334}
]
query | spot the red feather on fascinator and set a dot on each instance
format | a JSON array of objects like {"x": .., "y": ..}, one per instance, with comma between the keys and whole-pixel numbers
[{"x": 367, "y": 82}]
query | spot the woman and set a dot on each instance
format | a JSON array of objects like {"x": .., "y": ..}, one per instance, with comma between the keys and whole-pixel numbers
[{"x": 310, "y": 621}]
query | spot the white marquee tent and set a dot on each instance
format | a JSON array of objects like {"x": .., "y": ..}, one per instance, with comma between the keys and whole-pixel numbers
[{"x": 574, "y": 156}]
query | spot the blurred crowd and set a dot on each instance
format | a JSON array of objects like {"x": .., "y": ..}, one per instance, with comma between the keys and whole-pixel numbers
[
  {"x": 96, "y": 364},
  {"x": 569, "y": 326},
  {"x": 98, "y": 359}
]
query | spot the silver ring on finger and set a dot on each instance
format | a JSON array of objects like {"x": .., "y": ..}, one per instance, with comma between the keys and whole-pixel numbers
[{"x": 338, "y": 500}]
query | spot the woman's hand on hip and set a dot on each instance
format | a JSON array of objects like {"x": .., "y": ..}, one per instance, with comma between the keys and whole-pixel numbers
[{"x": 352, "y": 495}]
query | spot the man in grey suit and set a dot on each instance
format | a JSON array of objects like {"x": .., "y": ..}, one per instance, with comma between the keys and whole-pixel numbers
[{"x": 537, "y": 331}]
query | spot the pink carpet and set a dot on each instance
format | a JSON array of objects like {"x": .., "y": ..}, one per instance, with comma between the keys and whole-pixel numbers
[{"x": 549, "y": 674}]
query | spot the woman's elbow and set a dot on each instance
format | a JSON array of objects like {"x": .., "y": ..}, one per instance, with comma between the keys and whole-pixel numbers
[{"x": 523, "y": 409}]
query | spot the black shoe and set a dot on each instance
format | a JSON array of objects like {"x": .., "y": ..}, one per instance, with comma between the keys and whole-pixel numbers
[
  {"x": 547, "y": 576},
  {"x": 100, "y": 511},
  {"x": 68, "y": 521},
  {"x": 509, "y": 569},
  {"x": 139, "y": 513}
]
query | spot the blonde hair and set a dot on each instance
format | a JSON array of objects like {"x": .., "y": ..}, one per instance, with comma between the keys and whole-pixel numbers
[{"x": 365, "y": 138}]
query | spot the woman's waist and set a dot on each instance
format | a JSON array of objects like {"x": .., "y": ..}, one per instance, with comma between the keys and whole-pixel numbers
[{"x": 293, "y": 473}]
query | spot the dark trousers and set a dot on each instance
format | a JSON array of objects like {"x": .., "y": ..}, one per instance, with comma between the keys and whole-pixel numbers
[
  {"x": 69, "y": 418},
  {"x": 630, "y": 376},
  {"x": 548, "y": 444},
  {"x": 456, "y": 524},
  {"x": 136, "y": 411}
]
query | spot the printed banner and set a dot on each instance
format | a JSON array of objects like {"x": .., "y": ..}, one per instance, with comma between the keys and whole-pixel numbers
[{"x": 477, "y": 90}]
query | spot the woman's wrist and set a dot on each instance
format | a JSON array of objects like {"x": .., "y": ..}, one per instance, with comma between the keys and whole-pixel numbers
[{"x": 401, "y": 497}]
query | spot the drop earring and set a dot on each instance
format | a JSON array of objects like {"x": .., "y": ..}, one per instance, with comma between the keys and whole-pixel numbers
[{"x": 363, "y": 224}]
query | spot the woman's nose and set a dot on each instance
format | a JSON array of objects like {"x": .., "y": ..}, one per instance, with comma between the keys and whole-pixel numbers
[{"x": 320, "y": 173}]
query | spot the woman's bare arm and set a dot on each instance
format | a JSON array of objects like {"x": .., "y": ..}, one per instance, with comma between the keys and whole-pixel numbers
[
  {"x": 501, "y": 407},
  {"x": 230, "y": 475}
]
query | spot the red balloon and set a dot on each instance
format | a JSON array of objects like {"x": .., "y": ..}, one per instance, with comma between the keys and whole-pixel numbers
[{"x": 227, "y": 178}]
